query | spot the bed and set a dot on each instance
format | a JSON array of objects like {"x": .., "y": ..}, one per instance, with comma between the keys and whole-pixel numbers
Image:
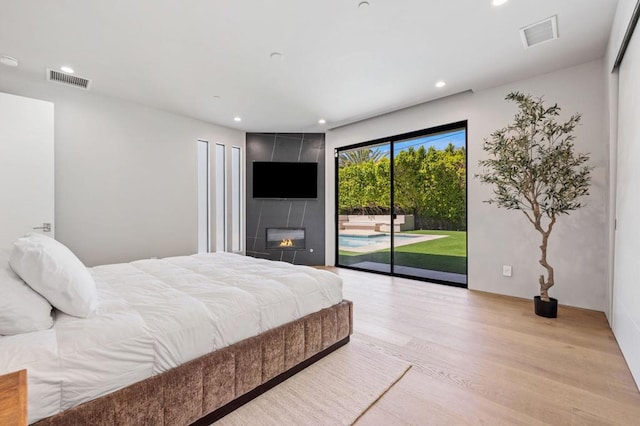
[{"x": 179, "y": 340}]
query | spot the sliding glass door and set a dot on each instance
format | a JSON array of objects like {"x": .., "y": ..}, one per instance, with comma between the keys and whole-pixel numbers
[
  {"x": 364, "y": 207},
  {"x": 402, "y": 205}
]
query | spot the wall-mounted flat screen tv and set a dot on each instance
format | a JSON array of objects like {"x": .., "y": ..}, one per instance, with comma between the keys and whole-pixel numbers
[{"x": 280, "y": 180}]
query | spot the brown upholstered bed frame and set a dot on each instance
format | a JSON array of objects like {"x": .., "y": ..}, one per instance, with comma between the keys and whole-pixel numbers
[{"x": 207, "y": 388}]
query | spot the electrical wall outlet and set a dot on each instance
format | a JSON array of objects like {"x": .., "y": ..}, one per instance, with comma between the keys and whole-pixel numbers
[{"x": 506, "y": 270}]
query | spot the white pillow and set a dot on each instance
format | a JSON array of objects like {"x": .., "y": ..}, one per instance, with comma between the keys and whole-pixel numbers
[
  {"x": 22, "y": 310},
  {"x": 52, "y": 270}
]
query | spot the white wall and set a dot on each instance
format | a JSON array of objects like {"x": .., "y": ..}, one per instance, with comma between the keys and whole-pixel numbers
[
  {"x": 125, "y": 174},
  {"x": 578, "y": 245},
  {"x": 624, "y": 94},
  {"x": 624, "y": 11}
]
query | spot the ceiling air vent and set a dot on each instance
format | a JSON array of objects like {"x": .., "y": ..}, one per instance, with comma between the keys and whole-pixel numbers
[
  {"x": 540, "y": 32},
  {"x": 68, "y": 79}
]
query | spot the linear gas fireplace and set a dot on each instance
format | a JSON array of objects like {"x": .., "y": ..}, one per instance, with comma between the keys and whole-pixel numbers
[{"x": 285, "y": 238}]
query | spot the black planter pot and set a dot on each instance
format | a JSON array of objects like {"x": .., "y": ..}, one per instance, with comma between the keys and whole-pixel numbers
[{"x": 545, "y": 309}]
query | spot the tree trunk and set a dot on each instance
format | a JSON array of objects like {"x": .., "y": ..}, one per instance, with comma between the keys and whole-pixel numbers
[{"x": 545, "y": 285}]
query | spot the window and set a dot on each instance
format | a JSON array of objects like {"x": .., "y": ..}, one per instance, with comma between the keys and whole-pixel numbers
[
  {"x": 236, "y": 199},
  {"x": 203, "y": 197},
  {"x": 221, "y": 204}
]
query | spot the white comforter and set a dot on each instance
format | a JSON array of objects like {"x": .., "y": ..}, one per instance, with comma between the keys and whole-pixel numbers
[{"x": 157, "y": 314}]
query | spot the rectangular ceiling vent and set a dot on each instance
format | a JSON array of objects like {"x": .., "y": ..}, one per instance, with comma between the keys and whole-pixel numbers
[
  {"x": 68, "y": 79},
  {"x": 540, "y": 32}
]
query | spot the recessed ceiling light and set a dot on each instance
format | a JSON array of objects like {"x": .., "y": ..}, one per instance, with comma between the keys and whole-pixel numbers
[
  {"x": 440, "y": 84},
  {"x": 276, "y": 55},
  {"x": 363, "y": 4},
  {"x": 237, "y": 119},
  {"x": 8, "y": 61},
  {"x": 498, "y": 2},
  {"x": 67, "y": 69},
  {"x": 322, "y": 121}
]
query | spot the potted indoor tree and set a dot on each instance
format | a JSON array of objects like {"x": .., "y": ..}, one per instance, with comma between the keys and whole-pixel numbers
[{"x": 533, "y": 167}]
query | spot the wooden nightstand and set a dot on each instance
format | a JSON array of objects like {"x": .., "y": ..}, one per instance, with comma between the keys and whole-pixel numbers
[{"x": 13, "y": 398}]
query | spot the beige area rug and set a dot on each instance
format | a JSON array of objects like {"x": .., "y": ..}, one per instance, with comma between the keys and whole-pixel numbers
[{"x": 334, "y": 391}]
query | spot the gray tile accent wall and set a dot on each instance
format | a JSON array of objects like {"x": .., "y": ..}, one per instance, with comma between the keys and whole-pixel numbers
[{"x": 308, "y": 214}]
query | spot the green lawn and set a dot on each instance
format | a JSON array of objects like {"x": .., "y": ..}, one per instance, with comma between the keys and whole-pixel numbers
[
  {"x": 444, "y": 254},
  {"x": 454, "y": 245}
]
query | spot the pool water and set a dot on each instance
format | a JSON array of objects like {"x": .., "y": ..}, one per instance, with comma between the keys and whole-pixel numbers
[{"x": 363, "y": 241}]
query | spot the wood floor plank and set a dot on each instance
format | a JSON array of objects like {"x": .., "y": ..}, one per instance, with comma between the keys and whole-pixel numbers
[
  {"x": 481, "y": 358},
  {"x": 450, "y": 403}
]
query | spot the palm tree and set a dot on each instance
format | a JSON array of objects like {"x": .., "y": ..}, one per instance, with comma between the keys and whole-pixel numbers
[{"x": 358, "y": 156}]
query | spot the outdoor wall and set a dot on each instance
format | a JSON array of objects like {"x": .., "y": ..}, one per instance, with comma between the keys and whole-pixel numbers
[
  {"x": 308, "y": 214},
  {"x": 496, "y": 237},
  {"x": 125, "y": 174}
]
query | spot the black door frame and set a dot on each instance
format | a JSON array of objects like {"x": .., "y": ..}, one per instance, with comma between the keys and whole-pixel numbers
[{"x": 391, "y": 140}]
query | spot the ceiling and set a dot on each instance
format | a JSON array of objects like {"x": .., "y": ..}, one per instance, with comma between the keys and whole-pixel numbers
[{"x": 210, "y": 59}]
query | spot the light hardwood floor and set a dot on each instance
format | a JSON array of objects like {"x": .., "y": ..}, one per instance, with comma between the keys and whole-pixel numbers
[{"x": 480, "y": 358}]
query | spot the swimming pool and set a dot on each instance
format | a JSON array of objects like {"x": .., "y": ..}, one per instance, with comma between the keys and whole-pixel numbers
[{"x": 353, "y": 241}]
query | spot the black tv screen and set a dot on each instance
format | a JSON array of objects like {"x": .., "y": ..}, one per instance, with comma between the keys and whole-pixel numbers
[{"x": 285, "y": 180}]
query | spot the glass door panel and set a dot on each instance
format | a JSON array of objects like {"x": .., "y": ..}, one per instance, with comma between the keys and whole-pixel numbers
[
  {"x": 429, "y": 189},
  {"x": 364, "y": 207}
]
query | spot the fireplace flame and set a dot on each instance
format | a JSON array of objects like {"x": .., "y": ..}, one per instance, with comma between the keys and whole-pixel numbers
[{"x": 286, "y": 243}]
